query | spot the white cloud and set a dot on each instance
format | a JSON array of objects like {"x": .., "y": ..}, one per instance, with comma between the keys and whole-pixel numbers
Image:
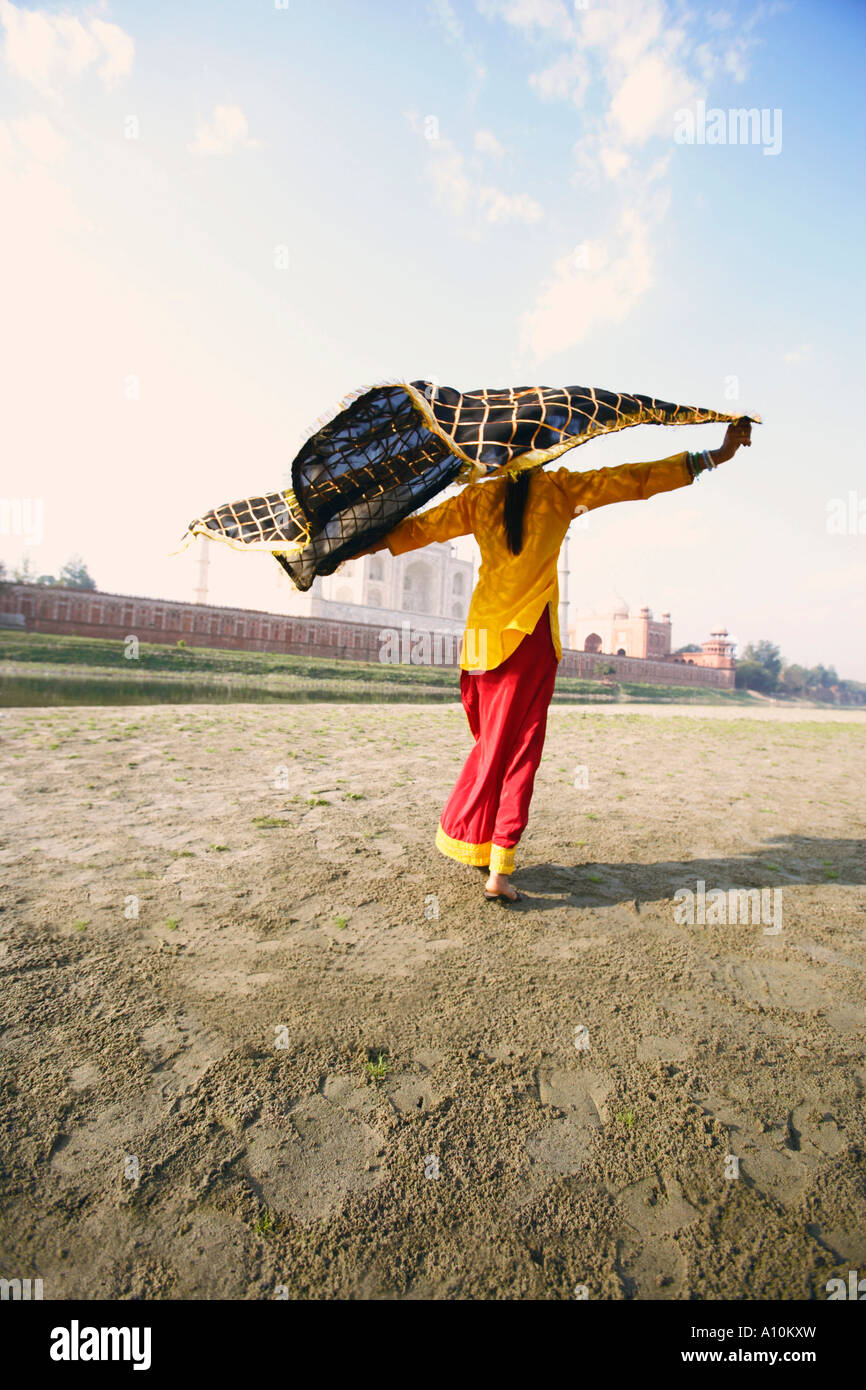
[
  {"x": 119, "y": 51},
  {"x": 623, "y": 33},
  {"x": 798, "y": 355},
  {"x": 227, "y": 130},
  {"x": 485, "y": 142},
  {"x": 48, "y": 50},
  {"x": 576, "y": 300},
  {"x": 613, "y": 161},
  {"x": 565, "y": 80},
  {"x": 529, "y": 14},
  {"x": 735, "y": 60},
  {"x": 643, "y": 65},
  {"x": 452, "y": 187},
  {"x": 457, "y": 190},
  {"x": 645, "y": 101},
  {"x": 640, "y": 61},
  {"x": 509, "y": 207},
  {"x": 447, "y": 18}
]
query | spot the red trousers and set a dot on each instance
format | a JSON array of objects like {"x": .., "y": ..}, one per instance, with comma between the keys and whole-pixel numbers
[{"x": 507, "y": 709}]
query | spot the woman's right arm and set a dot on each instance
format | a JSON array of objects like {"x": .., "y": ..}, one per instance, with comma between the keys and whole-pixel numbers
[
  {"x": 451, "y": 518},
  {"x": 371, "y": 549}
]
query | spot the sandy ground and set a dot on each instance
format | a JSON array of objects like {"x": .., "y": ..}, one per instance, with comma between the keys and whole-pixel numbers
[{"x": 576, "y": 1091}]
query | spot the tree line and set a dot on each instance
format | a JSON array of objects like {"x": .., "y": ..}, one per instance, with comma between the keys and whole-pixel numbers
[
  {"x": 763, "y": 668},
  {"x": 73, "y": 575}
]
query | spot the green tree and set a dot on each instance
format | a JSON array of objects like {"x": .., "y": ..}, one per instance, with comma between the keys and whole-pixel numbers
[
  {"x": 819, "y": 680},
  {"x": 24, "y": 573},
  {"x": 794, "y": 679},
  {"x": 751, "y": 675},
  {"x": 765, "y": 654},
  {"x": 74, "y": 575}
]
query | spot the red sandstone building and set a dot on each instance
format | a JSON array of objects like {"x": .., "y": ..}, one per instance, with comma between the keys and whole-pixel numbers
[
  {"x": 90, "y": 613},
  {"x": 617, "y": 632}
]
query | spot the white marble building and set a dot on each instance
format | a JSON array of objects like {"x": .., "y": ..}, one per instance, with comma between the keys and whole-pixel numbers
[{"x": 429, "y": 588}]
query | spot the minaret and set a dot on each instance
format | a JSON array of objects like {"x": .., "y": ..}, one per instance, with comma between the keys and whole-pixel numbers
[
  {"x": 200, "y": 591},
  {"x": 563, "y": 594}
]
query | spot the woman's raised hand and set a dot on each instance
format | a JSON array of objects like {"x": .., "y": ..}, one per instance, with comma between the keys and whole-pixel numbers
[{"x": 737, "y": 433}]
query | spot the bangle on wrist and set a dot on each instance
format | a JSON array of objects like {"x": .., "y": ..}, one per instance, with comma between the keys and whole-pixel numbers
[{"x": 700, "y": 463}]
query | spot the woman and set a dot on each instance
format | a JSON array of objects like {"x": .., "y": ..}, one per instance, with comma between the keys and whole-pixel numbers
[{"x": 511, "y": 646}]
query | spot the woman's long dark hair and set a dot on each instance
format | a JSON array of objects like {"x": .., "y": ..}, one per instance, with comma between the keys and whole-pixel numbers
[{"x": 516, "y": 493}]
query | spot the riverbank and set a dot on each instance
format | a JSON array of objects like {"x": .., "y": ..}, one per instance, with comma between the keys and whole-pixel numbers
[{"x": 45, "y": 669}]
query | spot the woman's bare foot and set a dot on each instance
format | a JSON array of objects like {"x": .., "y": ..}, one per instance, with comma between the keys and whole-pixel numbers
[{"x": 499, "y": 884}]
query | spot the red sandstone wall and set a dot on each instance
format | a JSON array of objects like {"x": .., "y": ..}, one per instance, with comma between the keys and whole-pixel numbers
[
  {"x": 632, "y": 668},
  {"x": 82, "y": 613}
]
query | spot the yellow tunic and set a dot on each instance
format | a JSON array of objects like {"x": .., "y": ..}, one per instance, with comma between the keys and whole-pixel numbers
[{"x": 513, "y": 590}]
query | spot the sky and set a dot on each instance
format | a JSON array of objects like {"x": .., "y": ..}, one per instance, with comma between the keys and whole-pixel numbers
[{"x": 219, "y": 218}]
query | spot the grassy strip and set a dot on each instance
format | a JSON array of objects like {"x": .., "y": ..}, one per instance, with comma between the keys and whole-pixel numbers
[
  {"x": 52, "y": 648},
  {"x": 706, "y": 694},
  {"x": 47, "y": 668}
]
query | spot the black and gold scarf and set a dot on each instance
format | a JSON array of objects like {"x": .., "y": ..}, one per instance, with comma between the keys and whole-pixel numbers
[{"x": 391, "y": 448}]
